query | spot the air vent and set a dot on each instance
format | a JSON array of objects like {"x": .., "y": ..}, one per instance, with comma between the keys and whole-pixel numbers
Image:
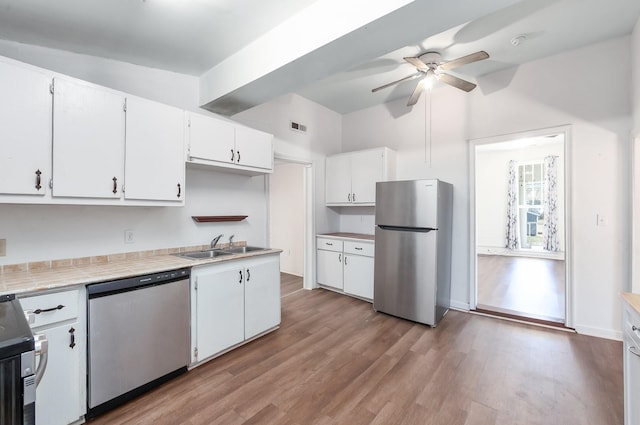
[{"x": 297, "y": 127}]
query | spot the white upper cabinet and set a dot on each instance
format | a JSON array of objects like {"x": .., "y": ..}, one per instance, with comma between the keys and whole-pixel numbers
[
  {"x": 338, "y": 179},
  {"x": 254, "y": 148},
  {"x": 88, "y": 140},
  {"x": 25, "y": 138},
  {"x": 351, "y": 177},
  {"x": 211, "y": 139},
  {"x": 231, "y": 147},
  {"x": 154, "y": 152}
]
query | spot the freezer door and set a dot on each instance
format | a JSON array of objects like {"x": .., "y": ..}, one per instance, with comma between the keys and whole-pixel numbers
[
  {"x": 411, "y": 203},
  {"x": 405, "y": 274}
]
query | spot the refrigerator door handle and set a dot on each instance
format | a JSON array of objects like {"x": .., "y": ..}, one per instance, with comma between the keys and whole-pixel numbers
[{"x": 407, "y": 229}]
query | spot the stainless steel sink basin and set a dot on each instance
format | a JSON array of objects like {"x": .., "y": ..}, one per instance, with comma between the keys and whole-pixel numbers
[
  {"x": 210, "y": 253},
  {"x": 243, "y": 249}
]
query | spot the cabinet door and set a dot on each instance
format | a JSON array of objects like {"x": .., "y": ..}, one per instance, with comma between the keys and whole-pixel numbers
[
  {"x": 367, "y": 168},
  {"x": 58, "y": 395},
  {"x": 329, "y": 265},
  {"x": 338, "y": 179},
  {"x": 25, "y": 108},
  {"x": 154, "y": 152},
  {"x": 211, "y": 139},
  {"x": 88, "y": 141},
  {"x": 253, "y": 148},
  {"x": 358, "y": 276},
  {"x": 261, "y": 295},
  {"x": 220, "y": 309}
]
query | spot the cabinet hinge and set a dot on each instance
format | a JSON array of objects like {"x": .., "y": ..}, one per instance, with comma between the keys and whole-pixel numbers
[
  {"x": 195, "y": 284},
  {"x": 50, "y": 183},
  {"x": 124, "y": 106},
  {"x": 122, "y": 188},
  {"x": 195, "y": 352},
  {"x": 189, "y": 122},
  {"x": 51, "y": 88}
]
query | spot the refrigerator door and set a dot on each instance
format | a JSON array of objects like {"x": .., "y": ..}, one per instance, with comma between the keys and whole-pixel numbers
[
  {"x": 407, "y": 204},
  {"x": 405, "y": 274}
]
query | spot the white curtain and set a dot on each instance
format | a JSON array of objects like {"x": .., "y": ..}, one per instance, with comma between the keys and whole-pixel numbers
[
  {"x": 512, "y": 208},
  {"x": 550, "y": 205}
]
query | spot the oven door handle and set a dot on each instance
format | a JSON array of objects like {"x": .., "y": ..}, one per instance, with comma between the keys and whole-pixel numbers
[{"x": 42, "y": 350}]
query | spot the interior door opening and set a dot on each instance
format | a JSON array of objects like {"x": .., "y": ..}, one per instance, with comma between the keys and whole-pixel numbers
[
  {"x": 289, "y": 224},
  {"x": 520, "y": 247}
]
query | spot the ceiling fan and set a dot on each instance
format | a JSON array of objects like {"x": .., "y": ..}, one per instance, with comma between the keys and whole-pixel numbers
[{"x": 430, "y": 66}]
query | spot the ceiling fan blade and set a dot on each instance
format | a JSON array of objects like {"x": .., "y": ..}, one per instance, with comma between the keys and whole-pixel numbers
[
  {"x": 456, "y": 82},
  {"x": 416, "y": 93},
  {"x": 417, "y": 62},
  {"x": 473, "y": 57},
  {"x": 410, "y": 77}
]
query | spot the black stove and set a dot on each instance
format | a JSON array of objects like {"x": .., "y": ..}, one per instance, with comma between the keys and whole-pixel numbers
[{"x": 17, "y": 365}]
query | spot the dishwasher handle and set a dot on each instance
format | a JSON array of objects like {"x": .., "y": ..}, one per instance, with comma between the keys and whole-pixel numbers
[{"x": 42, "y": 350}]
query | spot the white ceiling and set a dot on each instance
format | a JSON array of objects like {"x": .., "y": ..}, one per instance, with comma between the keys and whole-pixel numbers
[{"x": 195, "y": 36}]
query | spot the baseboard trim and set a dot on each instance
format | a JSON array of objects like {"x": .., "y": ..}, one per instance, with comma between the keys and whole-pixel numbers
[
  {"x": 493, "y": 250},
  {"x": 459, "y": 305},
  {"x": 599, "y": 332}
]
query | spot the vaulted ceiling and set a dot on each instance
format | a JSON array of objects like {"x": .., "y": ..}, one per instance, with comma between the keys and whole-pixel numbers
[{"x": 333, "y": 52}]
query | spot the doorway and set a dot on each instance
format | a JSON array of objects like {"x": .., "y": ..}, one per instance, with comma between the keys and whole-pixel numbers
[
  {"x": 520, "y": 220},
  {"x": 291, "y": 226}
]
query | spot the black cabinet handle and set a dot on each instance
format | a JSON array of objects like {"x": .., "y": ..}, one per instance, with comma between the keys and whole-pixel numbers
[
  {"x": 354, "y": 197},
  {"x": 248, "y": 275},
  {"x": 179, "y": 190},
  {"x": 38, "y": 174},
  {"x": 329, "y": 243},
  {"x": 233, "y": 156},
  {"x": 240, "y": 281},
  {"x": 238, "y": 152},
  {"x": 345, "y": 260},
  {"x": 340, "y": 258},
  {"x": 358, "y": 248},
  {"x": 46, "y": 310},
  {"x": 115, "y": 185},
  {"x": 73, "y": 337},
  {"x": 349, "y": 197}
]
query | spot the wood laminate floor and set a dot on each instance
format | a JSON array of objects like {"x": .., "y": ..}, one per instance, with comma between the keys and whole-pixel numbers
[
  {"x": 289, "y": 284},
  {"x": 336, "y": 361},
  {"x": 529, "y": 287}
]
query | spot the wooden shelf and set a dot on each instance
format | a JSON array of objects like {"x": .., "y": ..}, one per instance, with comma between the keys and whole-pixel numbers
[{"x": 217, "y": 218}]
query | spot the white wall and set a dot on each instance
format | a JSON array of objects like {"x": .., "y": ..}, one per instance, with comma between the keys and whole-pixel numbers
[
  {"x": 563, "y": 89},
  {"x": 323, "y": 137},
  {"x": 41, "y": 232},
  {"x": 491, "y": 186},
  {"x": 635, "y": 77},
  {"x": 445, "y": 157},
  {"x": 635, "y": 99},
  {"x": 567, "y": 89},
  {"x": 286, "y": 215}
]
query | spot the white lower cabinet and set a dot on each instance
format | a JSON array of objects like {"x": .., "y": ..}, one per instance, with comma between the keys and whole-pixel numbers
[
  {"x": 631, "y": 362},
  {"x": 358, "y": 276},
  {"x": 346, "y": 265},
  {"x": 232, "y": 302},
  {"x": 61, "y": 395}
]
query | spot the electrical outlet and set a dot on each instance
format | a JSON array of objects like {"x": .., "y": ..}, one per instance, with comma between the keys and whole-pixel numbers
[
  {"x": 3, "y": 247},
  {"x": 129, "y": 236}
]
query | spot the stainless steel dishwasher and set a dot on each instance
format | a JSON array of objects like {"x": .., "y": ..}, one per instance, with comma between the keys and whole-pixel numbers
[{"x": 138, "y": 336}]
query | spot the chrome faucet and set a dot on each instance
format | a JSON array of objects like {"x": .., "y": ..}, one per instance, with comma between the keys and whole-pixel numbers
[
  {"x": 215, "y": 240},
  {"x": 231, "y": 241}
]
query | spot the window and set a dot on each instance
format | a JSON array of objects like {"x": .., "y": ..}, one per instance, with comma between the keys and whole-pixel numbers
[{"x": 530, "y": 212}]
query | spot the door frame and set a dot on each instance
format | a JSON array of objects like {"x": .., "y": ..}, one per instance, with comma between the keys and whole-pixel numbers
[
  {"x": 308, "y": 273},
  {"x": 568, "y": 206}
]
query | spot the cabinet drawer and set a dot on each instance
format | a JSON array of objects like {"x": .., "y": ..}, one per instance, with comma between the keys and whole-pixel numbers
[
  {"x": 67, "y": 299},
  {"x": 359, "y": 248},
  {"x": 329, "y": 244}
]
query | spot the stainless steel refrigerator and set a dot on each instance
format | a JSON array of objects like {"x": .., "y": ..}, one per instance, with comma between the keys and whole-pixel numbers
[{"x": 413, "y": 249}]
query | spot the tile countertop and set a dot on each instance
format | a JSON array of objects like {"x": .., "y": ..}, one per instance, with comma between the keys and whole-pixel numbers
[
  {"x": 342, "y": 235},
  {"x": 633, "y": 300},
  {"x": 80, "y": 275}
]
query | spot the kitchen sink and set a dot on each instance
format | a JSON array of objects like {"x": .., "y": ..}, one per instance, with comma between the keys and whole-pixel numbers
[
  {"x": 210, "y": 253},
  {"x": 243, "y": 249}
]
